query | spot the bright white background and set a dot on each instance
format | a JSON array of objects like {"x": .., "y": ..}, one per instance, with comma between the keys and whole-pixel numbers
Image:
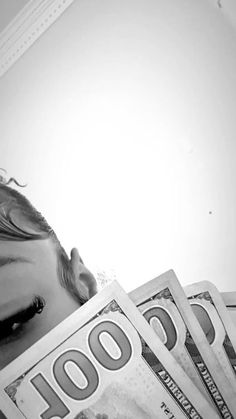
[{"x": 121, "y": 119}]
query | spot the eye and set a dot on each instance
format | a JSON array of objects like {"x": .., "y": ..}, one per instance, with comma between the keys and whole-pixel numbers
[{"x": 14, "y": 324}]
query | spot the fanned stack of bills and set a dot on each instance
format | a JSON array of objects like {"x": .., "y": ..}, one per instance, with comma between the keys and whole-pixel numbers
[{"x": 159, "y": 352}]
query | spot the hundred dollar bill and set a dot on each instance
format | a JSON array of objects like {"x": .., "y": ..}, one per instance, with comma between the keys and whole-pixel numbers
[
  {"x": 163, "y": 303},
  {"x": 3, "y": 406},
  {"x": 229, "y": 298},
  {"x": 232, "y": 313},
  {"x": 230, "y": 302},
  {"x": 103, "y": 361},
  {"x": 212, "y": 314}
]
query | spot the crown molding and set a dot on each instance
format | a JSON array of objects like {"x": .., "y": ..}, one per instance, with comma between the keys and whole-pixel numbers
[{"x": 28, "y": 25}]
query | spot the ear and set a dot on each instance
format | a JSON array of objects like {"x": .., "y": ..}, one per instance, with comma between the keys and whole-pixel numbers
[{"x": 84, "y": 278}]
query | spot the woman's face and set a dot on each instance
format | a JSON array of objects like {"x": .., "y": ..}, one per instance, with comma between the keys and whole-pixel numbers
[{"x": 29, "y": 283}]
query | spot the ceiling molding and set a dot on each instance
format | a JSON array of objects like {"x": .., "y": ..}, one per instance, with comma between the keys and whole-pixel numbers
[{"x": 28, "y": 25}]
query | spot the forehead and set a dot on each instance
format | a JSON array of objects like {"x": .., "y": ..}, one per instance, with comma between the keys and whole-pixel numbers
[
  {"x": 36, "y": 255},
  {"x": 33, "y": 249},
  {"x": 39, "y": 254}
]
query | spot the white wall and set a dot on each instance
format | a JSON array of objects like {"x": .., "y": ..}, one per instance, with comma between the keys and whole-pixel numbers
[{"x": 121, "y": 119}]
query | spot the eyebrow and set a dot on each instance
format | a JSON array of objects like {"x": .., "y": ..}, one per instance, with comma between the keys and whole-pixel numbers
[{"x": 7, "y": 260}]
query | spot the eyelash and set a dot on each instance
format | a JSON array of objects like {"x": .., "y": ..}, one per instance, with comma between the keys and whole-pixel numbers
[{"x": 12, "y": 325}]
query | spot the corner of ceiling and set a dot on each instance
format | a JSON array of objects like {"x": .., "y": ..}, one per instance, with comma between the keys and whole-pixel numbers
[{"x": 29, "y": 24}]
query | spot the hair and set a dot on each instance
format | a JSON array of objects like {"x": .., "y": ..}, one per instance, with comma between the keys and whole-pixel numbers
[{"x": 13, "y": 200}]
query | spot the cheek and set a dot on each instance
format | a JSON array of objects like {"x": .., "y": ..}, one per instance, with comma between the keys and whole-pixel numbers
[
  {"x": 20, "y": 342},
  {"x": 9, "y": 354},
  {"x": 59, "y": 307}
]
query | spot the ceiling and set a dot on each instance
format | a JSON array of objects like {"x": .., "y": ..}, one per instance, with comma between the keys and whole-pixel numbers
[
  {"x": 8, "y": 10},
  {"x": 16, "y": 38}
]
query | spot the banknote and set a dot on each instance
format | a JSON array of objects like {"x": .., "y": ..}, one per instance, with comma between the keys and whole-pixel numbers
[
  {"x": 104, "y": 361},
  {"x": 163, "y": 303},
  {"x": 3, "y": 406},
  {"x": 212, "y": 314},
  {"x": 229, "y": 299}
]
